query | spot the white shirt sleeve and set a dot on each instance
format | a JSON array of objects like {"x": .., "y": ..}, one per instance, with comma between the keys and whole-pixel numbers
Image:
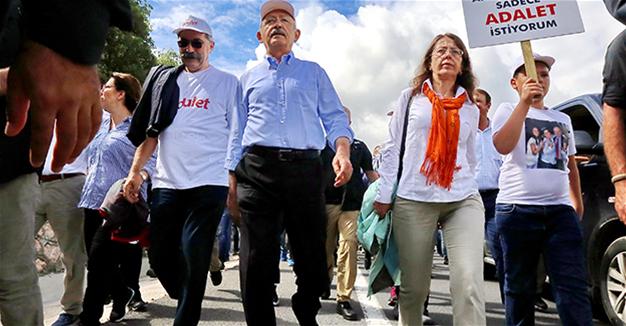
[
  {"x": 501, "y": 116},
  {"x": 388, "y": 170},
  {"x": 470, "y": 148}
]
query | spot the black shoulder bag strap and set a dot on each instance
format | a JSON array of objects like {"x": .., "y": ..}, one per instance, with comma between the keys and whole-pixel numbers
[{"x": 404, "y": 132}]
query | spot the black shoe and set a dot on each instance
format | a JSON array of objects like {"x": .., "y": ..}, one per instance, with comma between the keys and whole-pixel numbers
[
  {"x": 326, "y": 294},
  {"x": 345, "y": 310},
  {"x": 275, "y": 300},
  {"x": 445, "y": 260},
  {"x": 540, "y": 305},
  {"x": 368, "y": 262},
  {"x": 427, "y": 321},
  {"x": 119, "y": 306},
  {"x": 395, "y": 313},
  {"x": 137, "y": 304},
  {"x": 150, "y": 272},
  {"x": 216, "y": 277}
]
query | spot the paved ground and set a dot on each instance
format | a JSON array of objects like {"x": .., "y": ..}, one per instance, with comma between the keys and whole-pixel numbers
[{"x": 222, "y": 304}]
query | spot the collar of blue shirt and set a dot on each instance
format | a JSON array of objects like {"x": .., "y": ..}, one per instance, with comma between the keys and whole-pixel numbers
[{"x": 285, "y": 58}]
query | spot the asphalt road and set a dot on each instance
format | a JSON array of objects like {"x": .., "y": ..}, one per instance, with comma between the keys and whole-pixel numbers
[{"x": 222, "y": 304}]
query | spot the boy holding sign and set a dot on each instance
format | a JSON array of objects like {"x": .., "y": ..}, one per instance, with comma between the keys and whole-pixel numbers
[{"x": 538, "y": 207}]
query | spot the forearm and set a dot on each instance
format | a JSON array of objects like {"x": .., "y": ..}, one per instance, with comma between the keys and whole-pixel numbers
[
  {"x": 507, "y": 137},
  {"x": 614, "y": 142},
  {"x": 342, "y": 144},
  {"x": 574, "y": 185},
  {"x": 372, "y": 175},
  {"x": 143, "y": 154}
]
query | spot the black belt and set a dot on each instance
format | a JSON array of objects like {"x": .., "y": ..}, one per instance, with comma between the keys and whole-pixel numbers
[
  {"x": 284, "y": 154},
  {"x": 61, "y": 176}
]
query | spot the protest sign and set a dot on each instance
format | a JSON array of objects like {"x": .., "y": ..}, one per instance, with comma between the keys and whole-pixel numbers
[{"x": 490, "y": 22}]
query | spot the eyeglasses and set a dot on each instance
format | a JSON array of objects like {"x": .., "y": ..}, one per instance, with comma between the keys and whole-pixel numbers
[
  {"x": 196, "y": 43},
  {"x": 440, "y": 52}
]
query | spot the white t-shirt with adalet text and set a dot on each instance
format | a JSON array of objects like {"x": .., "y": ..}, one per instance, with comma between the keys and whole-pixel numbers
[
  {"x": 545, "y": 182},
  {"x": 192, "y": 150}
]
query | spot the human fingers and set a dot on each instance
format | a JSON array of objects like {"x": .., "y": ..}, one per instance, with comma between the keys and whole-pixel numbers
[
  {"x": 4, "y": 75},
  {"x": 83, "y": 130},
  {"x": 18, "y": 104},
  {"x": 66, "y": 134},
  {"x": 96, "y": 119}
]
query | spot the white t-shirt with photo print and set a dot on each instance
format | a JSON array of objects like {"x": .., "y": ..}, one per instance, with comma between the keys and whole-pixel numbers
[
  {"x": 192, "y": 150},
  {"x": 547, "y": 182}
]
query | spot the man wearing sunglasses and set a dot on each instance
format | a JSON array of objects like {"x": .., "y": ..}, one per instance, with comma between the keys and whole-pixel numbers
[
  {"x": 186, "y": 111},
  {"x": 289, "y": 110}
]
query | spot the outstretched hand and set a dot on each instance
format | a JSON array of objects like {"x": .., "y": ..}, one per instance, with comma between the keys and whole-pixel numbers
[{"x": 53, "y": 89}]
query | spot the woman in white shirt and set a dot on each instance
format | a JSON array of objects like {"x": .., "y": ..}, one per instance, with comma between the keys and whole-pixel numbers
[
  {"x": 437, "y": 183},
  {"x": 532, "y": 148}
]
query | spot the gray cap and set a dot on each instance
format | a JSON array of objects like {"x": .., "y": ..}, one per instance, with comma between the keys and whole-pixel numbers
[{"x": 271, "y": 5}]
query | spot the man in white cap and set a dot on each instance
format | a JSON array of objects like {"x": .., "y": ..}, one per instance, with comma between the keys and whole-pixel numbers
[
  {"x": 185, "y": 114},
  {"x": 538, "y": 207},
  {"x": 289, "y": 111}
]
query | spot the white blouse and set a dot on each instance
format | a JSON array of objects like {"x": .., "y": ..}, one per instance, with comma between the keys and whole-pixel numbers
[{"x": 412, "y": 184}]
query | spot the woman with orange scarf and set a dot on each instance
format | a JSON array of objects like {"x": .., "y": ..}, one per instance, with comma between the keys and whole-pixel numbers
[{"x": 437, "y": 183}]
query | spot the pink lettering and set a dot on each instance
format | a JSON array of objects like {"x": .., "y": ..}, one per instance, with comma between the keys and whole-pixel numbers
[{"x": 194, "y": 103}]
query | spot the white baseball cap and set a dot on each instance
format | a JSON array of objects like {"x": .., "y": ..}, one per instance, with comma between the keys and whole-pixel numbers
[
  {"x": 547, "y": 60},
  {"x": 195, "y": 24}
]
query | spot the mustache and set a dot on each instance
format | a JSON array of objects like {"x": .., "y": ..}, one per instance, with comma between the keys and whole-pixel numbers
[
  {"x": 190, "y": 55},
  {"x": 278, "y": 31}
]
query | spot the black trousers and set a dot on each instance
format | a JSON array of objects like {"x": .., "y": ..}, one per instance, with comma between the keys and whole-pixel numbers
[
  {"x": 182, "y": 230},
  {"x": 111, "y": 267},
  {"x": 274, "y": 195}
]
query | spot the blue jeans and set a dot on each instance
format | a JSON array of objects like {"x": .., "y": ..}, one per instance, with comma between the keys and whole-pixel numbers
[
  {"x": 440, "y": 243},
  {"x": 526, "y": 231},
  {"x": 183, "y": 224},
  {"x": 223, "y": 237},
  {"x": 492, "y": 236}
]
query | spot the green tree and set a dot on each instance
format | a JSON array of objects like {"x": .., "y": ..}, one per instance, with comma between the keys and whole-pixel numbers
[
  {"x": 168, "y": 58},
  {"x": 130, "y": 52}
]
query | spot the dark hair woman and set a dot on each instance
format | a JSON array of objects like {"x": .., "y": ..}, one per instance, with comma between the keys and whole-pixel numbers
[{"x": 437, "y": 182}]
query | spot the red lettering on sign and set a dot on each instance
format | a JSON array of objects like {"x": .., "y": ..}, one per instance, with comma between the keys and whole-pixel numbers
[{"x": 521, "y": 14}]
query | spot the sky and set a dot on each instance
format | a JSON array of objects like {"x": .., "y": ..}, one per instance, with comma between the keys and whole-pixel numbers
[{"x": 371, "y": 49}]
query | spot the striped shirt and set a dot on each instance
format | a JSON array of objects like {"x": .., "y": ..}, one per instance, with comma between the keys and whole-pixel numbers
[{"x": 110, "y": 156}]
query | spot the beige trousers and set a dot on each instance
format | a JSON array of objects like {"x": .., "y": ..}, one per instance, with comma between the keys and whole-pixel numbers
[
  {"x": 58, "y": 205},
  {"x": 344, "y": 224},
  {"x": 414, "y": 224},
  {"x": 20, "y": 298}
]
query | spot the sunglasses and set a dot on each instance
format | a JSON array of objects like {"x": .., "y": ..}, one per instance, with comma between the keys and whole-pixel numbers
[{"x": 195, "y": 43}]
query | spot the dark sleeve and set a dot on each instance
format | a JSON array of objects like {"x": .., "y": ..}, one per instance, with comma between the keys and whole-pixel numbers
[
  {"x": 617, "y": 8},
  {"x": 76, "y": 29},
  {"x": 141, "y": 116},
  {"x": 366, "y": 158},
  {"x": 614, "y": 73}
]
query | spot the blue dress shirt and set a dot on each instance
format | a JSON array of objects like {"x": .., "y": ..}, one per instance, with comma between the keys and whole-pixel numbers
[
  {"x": 489, "y": 160},
  {"x": 109, "y": 158},
  {"x": 287, "y": 104}
]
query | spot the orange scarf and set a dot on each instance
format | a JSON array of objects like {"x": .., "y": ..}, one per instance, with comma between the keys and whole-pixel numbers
[{"x": 443, "y": 139}]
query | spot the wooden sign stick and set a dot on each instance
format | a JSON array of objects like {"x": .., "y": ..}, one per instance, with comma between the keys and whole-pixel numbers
[{"x": 529, "y": 60}]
